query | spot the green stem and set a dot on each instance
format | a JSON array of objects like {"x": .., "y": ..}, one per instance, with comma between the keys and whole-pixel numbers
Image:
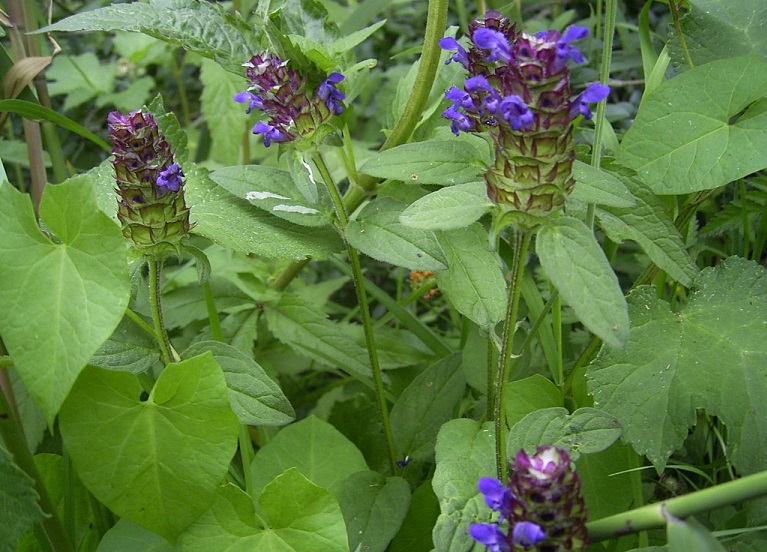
[
  {"x": 178, "y": 76},
  {"x": 213, "y": 318},
  {"x": 678, "y": 27},
  {"x": 246, "y": 455},
  {"x": 155, "y": 275},
  {"x": 654, "y": 516},
  {"x": 521, "y": 243},
  {"x": 362, "y": 300},
  {"x": 556, "y": 314},
  {"x": 140, "y": 322},
  {"x": 490, "y": 378}
]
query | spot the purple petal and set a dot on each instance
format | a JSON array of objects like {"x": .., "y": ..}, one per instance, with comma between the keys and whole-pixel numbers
[
  {"x": 527, "y": 533},
  {"x": 515, "y": 112},
  {"x": 460, "y": 98},
  {"x": 478, "y": 83},
  {"x": 254, "y": 101},
  {"x": 449, "y": 43},
  {"x": 495, "y": 492},
  {"x": 489, "y": 535},
  {"x": 594, "y": 93},
  {"x": 271, "y": 133},
  {"x": 460, "y": 121},
  {"x": 573, "y": 33},
  {"x": 496, "y": 42},
  {"x": 170, "y": 178},
  {"x": 330, "y": 94}
]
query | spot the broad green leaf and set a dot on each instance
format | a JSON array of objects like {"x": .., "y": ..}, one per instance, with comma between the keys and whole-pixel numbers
[
  {"x": 442, "y": 162},
  {"x": 448, "y": 208},
  {"x": 222, "y": 114},
  {"x": 685, "y": 535},
  {"x": 606, "y": 480},
  {"x": 201, "y": 27},
  {"x": 61, "y": 298},
  {"x": 701, "y": 129},
  {"x": 572, "y": 258},
  {"x": 720, "y": 29},
  {"x": 473, "y": 280},
  {"x": 18, "y": 501},
  {"x": 234, "y": 223},
  {"x": 598, "y": 186},
  {"x": 530, "y": 395},
  {"x": 156, "y": 462},
  {"x": 585, "y": 431},
  {"x": 465, "y": 452},
  {"x": 317, "y": 449},
  {"x": 125, "y": 535},
  {"x": 255, "y": 398},
  {"x": 422, "y": 515},
  {"x": 128, "y": 349},
  {"x": 374, "y": 507},
  {"x": 81, "y": 78},
  {"x": 710, "y": 355},
  {"x": 426, "y": 404},
  {"x": 378, "y": 232},
  {"x": 648, "y": 224}
]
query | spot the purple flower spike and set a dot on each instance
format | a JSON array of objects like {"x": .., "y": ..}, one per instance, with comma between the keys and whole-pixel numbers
[
  {"x": 498, "y": 497},
  {"x": 330, "y": 94},
  {"x": 566, "y": 51},
  {"x": 489, "y": 535},
  {"x": 527, "y": 533},
  {"x": 461, "y": 56},
  {"x": 594, "y": 93},
  {"x": 496, "y": 42},
  {"x": 515, "y": 112},
  {"x": 170, "y": 178},
  {"x": 271, "y": 133},
  {"x": 254, "y": 102}
]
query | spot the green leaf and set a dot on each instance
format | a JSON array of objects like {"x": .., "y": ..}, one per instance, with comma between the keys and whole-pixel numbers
[
  {"x": 442, "y": 162},
  {"x": 465, "y": 452},
  {"x": 60, "y": 299},
  {"x": 301, "y": 516},
  {"x": 710, "y": 355},
  {"x": 302, "y": 173},
  {"x": 688, "y": 534},
  {"x": 125, "y": 535},
  {"x": 222, "y": 114},
  {"x": 234, "y": 223},
  {"x": 598, "y": 186},
  {"x": 156, "y": 462},
  {"x": 374, "y": 507},
  {"x": 317, "y": 449},
  {"x": 201, "y": 27},
  {"x": 648, "y": 224},
  {"x": 18, "y": 501},
  {"x": 128, "y": 349},
  {"x": 426, "y": 404},
  {"x": 81, "y": 78},
  {"x": 255, "y": 398},
  {"x": 701, "y": 129},
  {"x": 606, "y": 480},
  {"x": 719, "y": 29},
  {"x": 585, "y": 431},
  {"x": 473, "y": 281},
  {"x": 378, "y": 232},
  {"x": 349, "y": 41},
  {"x": 572, "y": 258},
  {"x": 448, "y": 208},
  {"x": 530, "y": 395},
  {"x": 415, "y": 533}
]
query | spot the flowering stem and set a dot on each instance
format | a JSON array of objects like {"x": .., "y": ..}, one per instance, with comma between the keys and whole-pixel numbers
[
  {"x": 155, "y": 274},
  {"x": 521, "y": 243},
  {"x": 654, "y": 516},
  {"x": 359, "y": 286}
]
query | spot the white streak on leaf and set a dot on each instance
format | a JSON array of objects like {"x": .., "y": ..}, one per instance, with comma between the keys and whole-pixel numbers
[
  {"x": 295, "y": 209},
  {"x": 264, "y": 195}
]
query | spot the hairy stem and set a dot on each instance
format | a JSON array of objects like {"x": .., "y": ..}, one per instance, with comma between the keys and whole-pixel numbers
[{"x": 155, "y": 275}]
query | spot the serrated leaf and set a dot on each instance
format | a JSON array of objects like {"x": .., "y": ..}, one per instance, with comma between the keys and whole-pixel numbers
[
  {"x": 222, "y": 114},
  {"x": 156, "y": 462},
  {"x": 274, "y": 191},
  {"x": 701, "y": 129},
  {"x": 81, "y": 78},
  {"x": 585, "y": 431},
  {"x": 443, "y": 162},
  {"x": 648, "y": 224},
  {"x": 426, "y": 404},
  {"x": 710, "y": 356},
  {"x": 317, "y": 449},
  {"x": 448, "y": 208},
  {"x": 378, "y": 232},
  {"x": 60, "y": 299},
  {"x": 18, "y": 501},
  {"x": 255, "y": 398},
  {"x": 473, "y": 281},
  {"x": 128, "y": 349},
  {"x": 598, "y": 186},
  {"x": 374, "y": 507},
  {"x": 572, "y": 258}
]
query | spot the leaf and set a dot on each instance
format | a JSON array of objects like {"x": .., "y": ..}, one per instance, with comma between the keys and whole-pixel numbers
[
  {"x": 317, "y": 449},
  {"x": 18, "y": 501},
  {"x": 710, "y": 356},
  {"x": 125, "y": 535},
  {"x": 222, "y": 114},
  {"x": 572, "y": 258},
  {"x": 648, "y": 224},
  {"x": 128, "y": 349},
  {"x": 81, "y": 78},
  {"x": 415, "y": 533},
  {"x": 442, "y": 162},
  {"x": 530, "y": 395},
  {"x": 60, "y": 299},
  {"x": 701, "y": 129},
  {"x": 606, "y": 478},
  {"x": 302, "y": 173},
  {"x": 201, "y": 27},
  {"x": 374, "y": 507},
  {"x": 448, "y": 208},
  {"x": 689, "y": 534},
  {"x": 598, "y": 186},
  {"x": 473, "y": 281},
  {"x": 156, "y": 462},
  {"x": 718, "y": 29},
  {"x": 255, "y": 398},
  {"x": 426, "y": 404},
  {"x": 585, "y": 431},
  {"x": 377, "y": 232},
  {"x": 349, "y": 41}
]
